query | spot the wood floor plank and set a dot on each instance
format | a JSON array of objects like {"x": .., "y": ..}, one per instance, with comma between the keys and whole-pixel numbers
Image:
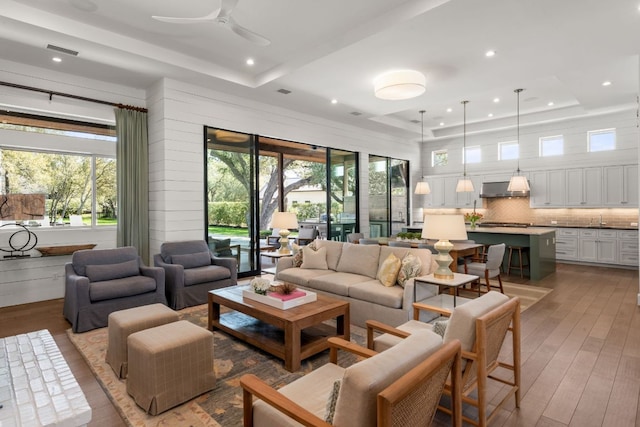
[{"x": 580, "y": 352}]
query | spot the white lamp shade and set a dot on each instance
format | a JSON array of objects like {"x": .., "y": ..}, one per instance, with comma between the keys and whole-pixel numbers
[
  {"x": 444, "y": 227},
  {"x": 285, "y": 220},
  {"x": 518, "y": 183},
  {"x": 423, "y": 188},
  {"x": 464, "y": 185},
  {"x": 400, "y": 84}
]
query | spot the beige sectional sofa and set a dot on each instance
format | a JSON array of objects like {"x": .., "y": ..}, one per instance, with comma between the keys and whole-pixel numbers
[{"x": 351, "y": 276}]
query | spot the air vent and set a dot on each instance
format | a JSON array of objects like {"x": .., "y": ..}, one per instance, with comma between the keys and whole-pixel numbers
[
  {"x": 284, "y": 91},
  {"x": 355, "y": 113},
  {"x": 415, "y": 121},
  {"x": 62, "y": 50}
]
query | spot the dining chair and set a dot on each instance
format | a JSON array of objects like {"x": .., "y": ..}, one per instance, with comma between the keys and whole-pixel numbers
[{"x": 489, "y": 269}]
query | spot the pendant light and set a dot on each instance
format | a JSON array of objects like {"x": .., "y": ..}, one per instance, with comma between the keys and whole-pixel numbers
[
  {"x": 422, "y": 187},
  {"x": 517, "y": 181},
  {"x": 464, "y": 185}
]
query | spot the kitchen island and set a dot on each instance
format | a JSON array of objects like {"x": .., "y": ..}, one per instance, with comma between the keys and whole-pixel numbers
[{"x": 541, "y": 242}]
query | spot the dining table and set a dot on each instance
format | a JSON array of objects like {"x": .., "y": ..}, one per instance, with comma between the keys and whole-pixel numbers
[{"x": 459, "y": 250}]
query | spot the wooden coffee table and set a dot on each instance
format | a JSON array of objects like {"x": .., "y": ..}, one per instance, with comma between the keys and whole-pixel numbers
[{"x": 291, "y": 335}]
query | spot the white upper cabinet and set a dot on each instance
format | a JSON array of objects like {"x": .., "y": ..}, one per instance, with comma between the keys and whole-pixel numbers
[
  {"x": 584, "y": 187},
  {"x": 436, "y": 198},
  {"x": 547, "y": 189},
  {"x": 620, "y": 186}
]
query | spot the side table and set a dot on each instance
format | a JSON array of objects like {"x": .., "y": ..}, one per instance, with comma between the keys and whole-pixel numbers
[
  {"x": 275, "y": 256},
  {"x": 458, "y": 280}
]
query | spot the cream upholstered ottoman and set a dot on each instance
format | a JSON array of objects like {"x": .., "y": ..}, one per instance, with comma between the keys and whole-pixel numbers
[
  {"x": 124, "y": 323},
  {"x": 169, "y": 365}
]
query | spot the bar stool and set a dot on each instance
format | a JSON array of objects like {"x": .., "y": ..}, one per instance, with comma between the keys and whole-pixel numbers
[{"x": 521, "y": 250}]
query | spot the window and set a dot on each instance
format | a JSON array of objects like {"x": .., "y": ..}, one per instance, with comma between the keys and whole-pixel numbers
[
  {"x": 439, "y": 158},
  {"x": 72, "y": 182},
  {"x": 551, "y": 146},
  {"x": 601, "y": 140},
  {"x": 508, "y": 150},
  {"x": 472, "y": 155}
]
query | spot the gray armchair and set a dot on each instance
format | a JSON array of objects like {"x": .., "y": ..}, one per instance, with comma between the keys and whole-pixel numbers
[
  {"x": 192, "y": 271},
  {"x": 101, "y": 281}
]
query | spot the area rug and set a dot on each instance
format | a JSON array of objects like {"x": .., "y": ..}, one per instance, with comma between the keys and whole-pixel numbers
[
  {"x": 232, "y": 358},
  {"x": 528, "y": 294}
]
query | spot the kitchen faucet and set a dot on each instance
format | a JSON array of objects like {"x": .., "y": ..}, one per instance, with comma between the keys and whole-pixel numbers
[{"x": 602, "y": 223}]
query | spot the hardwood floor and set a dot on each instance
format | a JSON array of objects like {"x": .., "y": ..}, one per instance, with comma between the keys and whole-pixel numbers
[{"x": 580, "y": 352}]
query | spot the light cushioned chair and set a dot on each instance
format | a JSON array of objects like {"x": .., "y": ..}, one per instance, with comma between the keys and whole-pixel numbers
[
  {"x": 490, "y": 269},
  {"x": 357, "y": 396},
  {"x": 101, "y": 281},
  {"x": 192, "y": 271},
  {"x": 481, "y": 325}
]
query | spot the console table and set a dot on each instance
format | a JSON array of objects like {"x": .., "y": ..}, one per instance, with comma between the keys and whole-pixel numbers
[{"x": 37, "y": 388}]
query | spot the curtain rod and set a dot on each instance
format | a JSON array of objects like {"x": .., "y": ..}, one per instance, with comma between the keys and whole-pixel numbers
[{"x": 66, "y": 95}]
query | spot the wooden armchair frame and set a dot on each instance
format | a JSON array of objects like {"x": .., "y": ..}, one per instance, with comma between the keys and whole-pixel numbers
[
  {"x": 392, "y": 401},
  {"x": 481, "y": 362}
]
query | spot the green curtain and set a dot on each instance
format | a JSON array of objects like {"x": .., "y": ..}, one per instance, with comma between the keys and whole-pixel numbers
[{"x": 133, "y": 180}]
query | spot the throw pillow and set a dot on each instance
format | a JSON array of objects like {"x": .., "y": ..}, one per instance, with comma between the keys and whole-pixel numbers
[
  {"x": 198, "y": 259},
  {"x": 439, "y": 326},
  {"x": 411, "y": 266},
  {"x": 314, "y": 259},
  {"x": 388, "y": 271},
  {"x": 298, "y": 256},
  {"x": 102, "y": 272},
  {"x": 330, "y": 410}
]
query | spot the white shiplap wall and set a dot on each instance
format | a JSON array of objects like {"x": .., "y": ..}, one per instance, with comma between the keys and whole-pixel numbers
[
  {"x": 41, "y": 278},
  {"x": 178, "y": 113}
]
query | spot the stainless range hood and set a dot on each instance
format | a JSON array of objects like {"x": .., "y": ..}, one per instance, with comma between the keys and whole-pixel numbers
[{"x": 499, "y": 189}]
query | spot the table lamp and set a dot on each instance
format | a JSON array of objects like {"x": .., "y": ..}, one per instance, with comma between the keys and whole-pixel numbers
[
  {"x": 284, "y": 221},
  {"x": 444, "y": 228}
]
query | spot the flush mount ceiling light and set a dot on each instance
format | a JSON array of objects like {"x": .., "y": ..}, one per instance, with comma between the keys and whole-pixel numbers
[
  {"x": 399, "y": 84},
  {"x": 517, "y": 181}
]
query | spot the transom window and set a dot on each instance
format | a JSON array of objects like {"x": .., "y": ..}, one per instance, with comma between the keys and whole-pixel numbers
[
  {"x": 472, "y": 154},
  {"x": 601, "y": 140},
  {"x": 439, "y": 158},
  {"x": 508, "y": 150},
  {"x": 551, "y": 146}
]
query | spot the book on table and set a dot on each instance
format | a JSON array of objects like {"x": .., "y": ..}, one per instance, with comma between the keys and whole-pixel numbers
[{"x": 280, "y": 301}]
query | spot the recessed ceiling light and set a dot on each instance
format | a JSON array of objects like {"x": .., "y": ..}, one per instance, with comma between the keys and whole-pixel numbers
[
  {"x": 56, "y": 59},
  {"x": 490, "y": 53},
  {"x": 496, "y": 99},
  {"x": 250, "y": 61},
  {"x": 449, "y": 110},
  {"x": 607, "y": 83},
  {"x": 441, "y": 123},
  {"x": 334, "y": 101},
  {"x": 550, "y": 103},
  {"x": 490, "y": 115}
]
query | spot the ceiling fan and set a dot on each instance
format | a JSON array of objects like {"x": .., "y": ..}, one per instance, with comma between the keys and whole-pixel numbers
[{"x": 223, "y": 17}]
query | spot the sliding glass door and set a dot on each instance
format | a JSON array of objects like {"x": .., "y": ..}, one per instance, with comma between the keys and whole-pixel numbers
[
  {"x": 251, "y": 177},
  {"x": 231, "y": 166},
  {"x": 388, "y": 195}
]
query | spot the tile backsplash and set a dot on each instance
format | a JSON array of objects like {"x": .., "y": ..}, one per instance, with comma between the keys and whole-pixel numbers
[{"x": 518, "y": 210}]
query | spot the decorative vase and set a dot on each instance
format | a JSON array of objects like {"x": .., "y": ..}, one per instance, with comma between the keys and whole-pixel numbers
[{"x": 472, "y": 225}]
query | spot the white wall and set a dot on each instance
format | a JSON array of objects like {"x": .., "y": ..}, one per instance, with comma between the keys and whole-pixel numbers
[
  {"x": 41, "y": 278},
  {"x": 575, "y": 146},
  {"x": 178, "y": 113}
]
